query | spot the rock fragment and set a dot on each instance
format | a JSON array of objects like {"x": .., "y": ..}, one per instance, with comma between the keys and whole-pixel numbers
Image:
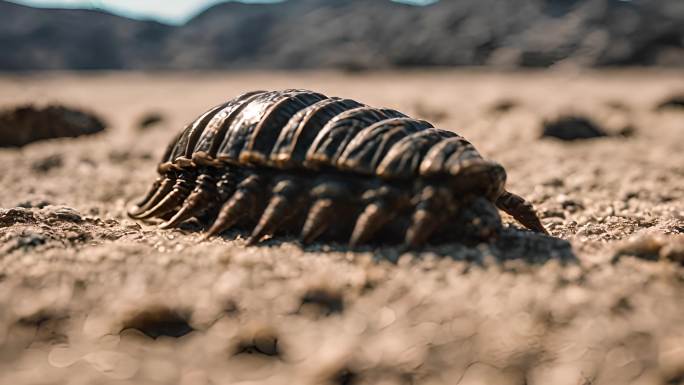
[
  {"x": 572, "y": 127},
  {"x": 25, "y": 124}
]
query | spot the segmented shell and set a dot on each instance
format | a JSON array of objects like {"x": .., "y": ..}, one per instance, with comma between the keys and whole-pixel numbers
[
  {"x": 304, "y": 129},
  {"x": 321, "y": 164}
]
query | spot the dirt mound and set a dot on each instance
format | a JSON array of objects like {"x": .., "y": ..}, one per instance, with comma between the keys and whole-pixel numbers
[
  {"x": 25, "y": 124},
  {"x": 572, "y": 127}
]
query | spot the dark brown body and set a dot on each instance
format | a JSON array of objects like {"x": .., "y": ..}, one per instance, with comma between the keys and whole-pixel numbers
[{"x": 296, "y": 161}]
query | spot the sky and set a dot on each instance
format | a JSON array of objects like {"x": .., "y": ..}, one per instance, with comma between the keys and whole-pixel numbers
[{"x": 168, "y": 11}]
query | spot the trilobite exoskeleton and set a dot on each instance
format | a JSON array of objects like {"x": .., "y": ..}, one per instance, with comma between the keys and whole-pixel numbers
[{"x": 296, "y": 161}]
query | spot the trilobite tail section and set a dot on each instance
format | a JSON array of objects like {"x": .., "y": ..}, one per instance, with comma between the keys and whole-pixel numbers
[{"x": 521, "y": 210}]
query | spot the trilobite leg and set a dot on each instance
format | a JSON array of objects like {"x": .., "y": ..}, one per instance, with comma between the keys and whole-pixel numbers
[
  {"x": 331, "y": 211},
  {"x": 203, "y": 196},
  {"x": 181, "y": 189},
  {"x": 521, "y": 210},
  {"x": 283, "y": 204},
  {"x": 225, "y": 188},
  {"x": 432, "y": 207},
  {"x": 152, "y": 190},
  {"x": 227, "y": 184},
  {"x": 373, "y": 217},
  {"x": 320, "y": 216},
  {"x": 423, "y": 224},
  {"x": 164, "y": 188},
  {"x": 242, "y": 204}
]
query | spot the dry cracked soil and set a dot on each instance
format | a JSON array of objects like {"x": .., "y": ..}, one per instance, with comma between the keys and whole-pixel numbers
[{"x": 89, "y": 296}]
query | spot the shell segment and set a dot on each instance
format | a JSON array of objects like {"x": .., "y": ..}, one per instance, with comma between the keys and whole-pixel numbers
[
  {"x": 185, "y": 145},
  {"x": 369, "y": 147},
  {"x": 334, "y": 137},
  {"x": 404, "y": 158},
  {"x": 447, "y": 156},
  {"x": 213, "y": 133},
  {"x": 259, "y": 121},
  {"x": 296, "y": 137}
]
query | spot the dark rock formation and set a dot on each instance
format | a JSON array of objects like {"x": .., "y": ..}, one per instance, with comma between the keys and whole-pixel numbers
[{"x": 25, "y": 124}]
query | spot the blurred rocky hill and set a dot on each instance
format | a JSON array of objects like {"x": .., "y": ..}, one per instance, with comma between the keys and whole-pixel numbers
[
  {"x": 352, "y": 35},
  {"x": 33, "y": 38}
]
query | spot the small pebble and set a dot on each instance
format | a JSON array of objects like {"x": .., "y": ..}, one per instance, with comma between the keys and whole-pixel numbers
[{"x": 67, "y": 214}]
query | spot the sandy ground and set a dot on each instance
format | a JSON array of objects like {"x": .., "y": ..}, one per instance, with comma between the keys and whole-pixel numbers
[{"x": 88, "y": 296}]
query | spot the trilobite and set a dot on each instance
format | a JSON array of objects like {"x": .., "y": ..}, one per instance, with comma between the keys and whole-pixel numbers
[{"x": 299, "y": 162}]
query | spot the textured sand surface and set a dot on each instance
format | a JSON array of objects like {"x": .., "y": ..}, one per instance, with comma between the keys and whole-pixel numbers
[{"x": 88, "y": 296}]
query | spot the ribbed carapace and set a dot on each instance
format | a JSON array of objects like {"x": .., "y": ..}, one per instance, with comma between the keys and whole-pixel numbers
[{"x": 299, "y": 162}]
